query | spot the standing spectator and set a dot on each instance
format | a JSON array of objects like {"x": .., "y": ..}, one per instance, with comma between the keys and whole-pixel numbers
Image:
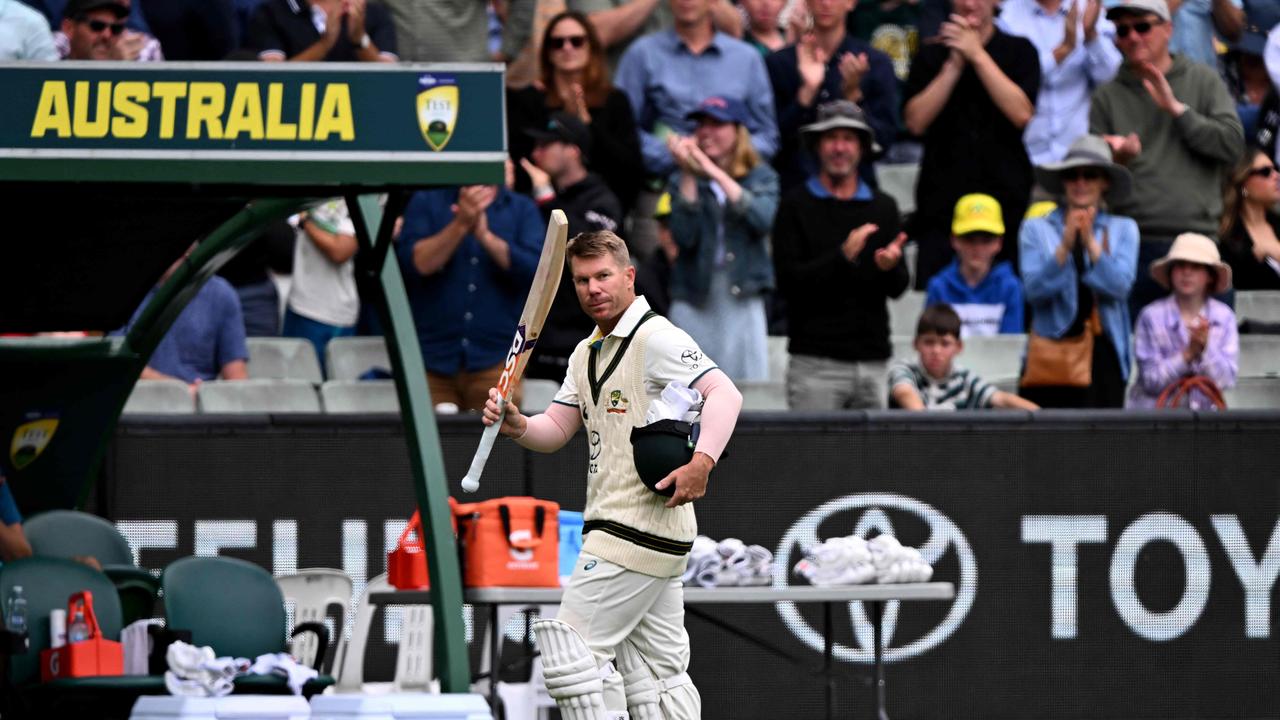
[
  {"x": 764, "y": 32},
  {"x": 1187, "y": 332},
  {"x": 575, "y": 79},
  {"x": 24, "y": 34},
  {"x": 723, "y": 201},
  {"x": 249, "y": 273},
  {"x": 440, "y": 30},
  {"x": 837, "y": 250},
  {"x": 468, "y": 256},
  {"x": 970, "y": 98},
  {"x": 621, "y": 22},
  {"x": 561, "y": 180},
  {"x": 1247, "y": 79},
  {"x": 96, "y": 30},
  {"x": 1190, "y": 135},
  {"x": 892, "y": 27},
  {"x": 986, "y": 296},
  {"x": 323, "y": 302},
  {"x": 1195, "y": 22},
  {"x": 1078, "y": 262},
  {"x": 1250, "y": 230},
  {"x": 1077, "y": 54},
  {"x": 829, "y": 64},
  {"x": 194, "y": 29},
  {"x": 329, "y": 30}
]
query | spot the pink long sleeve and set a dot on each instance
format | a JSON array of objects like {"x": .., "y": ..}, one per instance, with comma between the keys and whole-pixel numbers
[
  {"x": 549, "y": 431},
  {"x": 720, "y": 408}
]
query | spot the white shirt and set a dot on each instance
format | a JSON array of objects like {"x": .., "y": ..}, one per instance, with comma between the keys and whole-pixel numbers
[{"x": 321, "y": 290}]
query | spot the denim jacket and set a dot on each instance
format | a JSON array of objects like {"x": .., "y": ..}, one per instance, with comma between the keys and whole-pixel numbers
[
  {"x": 1051, "y": 289},
  {"x": 695, "y": 227}
]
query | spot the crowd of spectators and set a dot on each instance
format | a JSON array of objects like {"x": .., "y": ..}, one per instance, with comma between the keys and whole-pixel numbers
[{"x": 736, "y": 148}]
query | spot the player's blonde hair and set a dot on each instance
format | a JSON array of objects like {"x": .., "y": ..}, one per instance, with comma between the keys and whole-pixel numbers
[{"x": 598, "y": 243}]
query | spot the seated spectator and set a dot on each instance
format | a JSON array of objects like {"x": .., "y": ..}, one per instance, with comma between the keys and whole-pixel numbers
[
  {"x": 468, "y": 256},
  {"x": 723, "y": 200},
  {"x": 249, "y": 272},
  {"x": 1078, "y": 264},
  {"x": 561, "y": 180},
  {"x": 328, "y": 30},
  {"x": 1196, "y": 22},
  {"x": 323, "y": 301},
  {"x": 763, "y": 31},
  {"x": 24, "y": 34},
  {"x": 97, "y": 30},
  {"x": 1186, "y": 333},
  {"x": 837, "y": 252},
  {"x": 1247, "y": 79},
  {"x": 205, "y": 342},
  {"x": 575, "y": 80},
  {"x": 1250, "y": 230},
  {"x": 986, "y": 296},
  {"x": 934, "y": 381},
  {"x": 1077, "y": 54},
  {"x": 13, "y": 541},
  {"x": 970, "y": 97},
  {"x": 829, "y": 64},
  {"x": 1190, "y": 135}
]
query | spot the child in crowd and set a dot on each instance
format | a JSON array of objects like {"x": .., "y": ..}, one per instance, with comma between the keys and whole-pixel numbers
[
  {"x": 935, "y": 382},
  {"x": 1188, "y": 332},
  {"x": 988, "y": 298}
]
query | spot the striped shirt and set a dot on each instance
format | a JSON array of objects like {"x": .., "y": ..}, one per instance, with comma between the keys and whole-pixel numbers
[{"x": 961, "y": 390}]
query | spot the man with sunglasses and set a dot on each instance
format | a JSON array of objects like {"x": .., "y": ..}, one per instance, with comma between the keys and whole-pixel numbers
[
  {"x": 96, "y": 30},
  {"x": 1190, "y": 135}
]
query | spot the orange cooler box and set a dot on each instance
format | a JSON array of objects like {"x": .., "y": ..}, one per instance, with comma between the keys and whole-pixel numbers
[
  {"x": 510, "y": 542},
  {"x": 87, "y": 658}
]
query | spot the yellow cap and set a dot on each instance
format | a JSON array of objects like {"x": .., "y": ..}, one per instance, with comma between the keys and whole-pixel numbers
[
  {"x": 977, "y": 213},
  {"x": 664, "y": 206}
]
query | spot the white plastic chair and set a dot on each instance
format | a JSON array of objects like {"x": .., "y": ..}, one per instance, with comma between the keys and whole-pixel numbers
[
  {"x": 413, "y": 661},
  {"x": 520, "y": 700},
  {"x": 313, "y": 591}
]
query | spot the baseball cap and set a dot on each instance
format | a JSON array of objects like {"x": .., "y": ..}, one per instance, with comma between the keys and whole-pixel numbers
[
  {"x": 718, "y": 107},
  {"x": 1159, "y": 8},
  {"x": 76, "y": 8},
  {"x": 565, "y": 128},
  {"x": 977, "y": 213}
]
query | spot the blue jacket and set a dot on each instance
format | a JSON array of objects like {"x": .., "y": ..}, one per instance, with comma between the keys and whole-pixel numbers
[
  {"x": 999, "y": 293},
  {"x": 696, "y": 228},
  {"x": 1051, "y": 289}
]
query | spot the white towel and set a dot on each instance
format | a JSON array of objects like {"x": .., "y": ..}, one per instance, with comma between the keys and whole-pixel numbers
[
  {"x": 295, "y": 673},
  {"x": 137, "y": 646},
  {"x": 194, "y": 671},
  {"x": 677, "y": 402}
]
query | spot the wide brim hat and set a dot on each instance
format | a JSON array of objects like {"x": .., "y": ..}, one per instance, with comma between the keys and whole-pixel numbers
[
  {"x": 1198, "y": 249},
  {"x": 841, "y": 114},
  {"x": 1087, "y": 151}
]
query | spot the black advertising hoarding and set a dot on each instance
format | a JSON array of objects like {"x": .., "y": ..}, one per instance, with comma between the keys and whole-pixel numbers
[{"x": 1117, "y": 566}]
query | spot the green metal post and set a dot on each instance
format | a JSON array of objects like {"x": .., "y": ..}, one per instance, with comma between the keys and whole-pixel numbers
[{"x": 384, "y": 285}]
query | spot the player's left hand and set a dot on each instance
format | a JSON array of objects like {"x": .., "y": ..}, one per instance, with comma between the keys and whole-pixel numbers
[{"x": 690, "y": 480}]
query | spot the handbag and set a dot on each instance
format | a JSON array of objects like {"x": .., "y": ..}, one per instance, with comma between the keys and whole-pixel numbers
[
  {"x": 1178, "y": 392},
  {"x": 1065, "y": 362}
]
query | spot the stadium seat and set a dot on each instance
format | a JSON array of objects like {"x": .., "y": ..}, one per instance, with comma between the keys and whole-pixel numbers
[
  {"x": 994, "y": 358},
  {"x": 159, "y": 397},
  {"x": 360, "y": 396},
  {"x": 1258, "y": 305},
  {"x": 283, "y": 358},
  {"x": 769, "y": 395},
  {"x": 538, "y": 394},
  {"x": 312, "y": 592},
  {"x": 903, "y": 347},
  {"x": 779, "y": 360},
  {"x": 898, "y": 181},
  {"x": 904, "y": 313},
  {"x": 1259, "y": 356},
  {"x": 350, "y": 357},
  {"x": 258, "y": 396},
  {"x": 414, "y": 654},
  {"x": 71, "y": 533},
  {"x": 1253, "y": 393}
]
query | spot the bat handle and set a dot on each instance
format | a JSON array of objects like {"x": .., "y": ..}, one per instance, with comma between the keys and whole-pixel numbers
[{"x": 471, "y": 482}]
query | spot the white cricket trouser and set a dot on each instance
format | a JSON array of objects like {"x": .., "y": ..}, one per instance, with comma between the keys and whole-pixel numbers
[{"x": 610, "y": 605}]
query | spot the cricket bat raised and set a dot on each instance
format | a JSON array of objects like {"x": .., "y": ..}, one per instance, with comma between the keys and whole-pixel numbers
[{"x": 546, "y": 279}]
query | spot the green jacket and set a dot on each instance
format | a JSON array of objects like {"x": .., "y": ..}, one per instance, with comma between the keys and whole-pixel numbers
[{"x": 1177, "y": 179}]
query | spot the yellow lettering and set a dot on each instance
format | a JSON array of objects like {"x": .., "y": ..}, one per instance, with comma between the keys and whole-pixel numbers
[
  {"x": 335, "y": 114},
  {"x": 82, "y": 126},
  {"x": 277, "y": 129},
  {"x": 246, "y": 112},
  {"x": 205, "y": 103},
  {"x": 131, "y": 117},
  {"x": 53, "y": 112},
  {"x": 307, "y": 111},
  {"x": 168, "y": 93}
]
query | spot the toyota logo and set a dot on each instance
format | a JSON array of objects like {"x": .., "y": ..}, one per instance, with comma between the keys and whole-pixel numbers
[{"x": 943, "y": 534}]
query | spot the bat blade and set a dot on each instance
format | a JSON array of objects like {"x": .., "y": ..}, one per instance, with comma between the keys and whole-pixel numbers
[{"x": 542, "y": 292}]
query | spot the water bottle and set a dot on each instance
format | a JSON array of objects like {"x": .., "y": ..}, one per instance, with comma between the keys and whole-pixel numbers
[
  {"x": 78, "y": 631},
  {"x": 15, "y": 617}
]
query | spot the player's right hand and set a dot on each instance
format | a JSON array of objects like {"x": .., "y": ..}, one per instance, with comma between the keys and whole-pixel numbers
[{"x": 513, "y": 423}]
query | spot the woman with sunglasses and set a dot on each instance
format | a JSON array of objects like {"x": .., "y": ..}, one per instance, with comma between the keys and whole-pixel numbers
[
  {"x": 575, "y": 78},
  {"x": 1250, "y": 230},
  {"x": 723, "y": 199},
  {"x": 1078, "y": 265}
]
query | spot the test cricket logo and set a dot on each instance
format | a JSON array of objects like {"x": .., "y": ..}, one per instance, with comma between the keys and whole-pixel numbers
[
  {"x": 437, "y": 108},
  {"x": 31, "y": 438}
]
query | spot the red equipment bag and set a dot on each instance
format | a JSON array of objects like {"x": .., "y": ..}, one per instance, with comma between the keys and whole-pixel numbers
[
  {"x": 93, "y": 656},
  {"x": 407, "y": 564},
  {"x": 510, "y": 542}
]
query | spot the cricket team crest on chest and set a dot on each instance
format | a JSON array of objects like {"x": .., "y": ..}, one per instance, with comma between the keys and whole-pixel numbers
[
  {"x": 437, "y": 108},
  {"x": 617, "y": 403}
]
